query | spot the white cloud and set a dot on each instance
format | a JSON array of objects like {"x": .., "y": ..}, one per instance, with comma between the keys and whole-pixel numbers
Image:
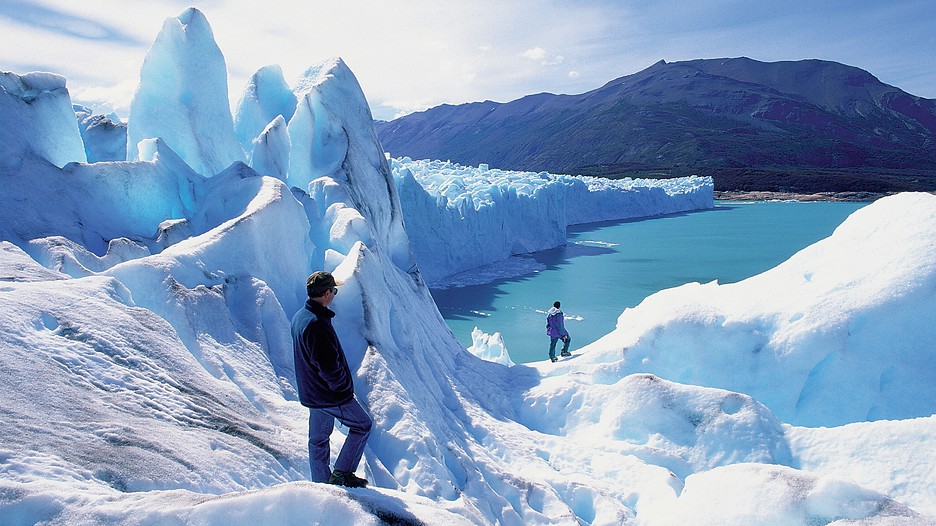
[
  {"x": 536, "y": 53},
  {"x": 105, "y": 99},
  {"x": 539, "y": 55},
  {"x": 573, "y": 74},
  {"x": 556, "y": 60}
]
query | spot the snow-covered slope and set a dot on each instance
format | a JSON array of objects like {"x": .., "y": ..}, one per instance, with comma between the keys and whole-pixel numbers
[
  {"x": 145, "y": 372},
  {"x": 890, "y": 456},
  {"x": 841, "y": 332}
]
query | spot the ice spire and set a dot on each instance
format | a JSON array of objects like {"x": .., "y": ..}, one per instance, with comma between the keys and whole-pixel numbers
[
  {"x": 332, "y": 136},
  {"x": 183, "y": 97},
  {"x": 265, "y": 97},
  {"x": 270, "y": 153}
]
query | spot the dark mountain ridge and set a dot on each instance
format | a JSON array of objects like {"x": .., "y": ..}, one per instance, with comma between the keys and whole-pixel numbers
[{"x": 808, "y": 125}]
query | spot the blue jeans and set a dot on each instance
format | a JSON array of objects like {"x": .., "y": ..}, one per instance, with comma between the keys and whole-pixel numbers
[
  {"x": 552, "y": 346},
  {"x": 321, "y": 424}
]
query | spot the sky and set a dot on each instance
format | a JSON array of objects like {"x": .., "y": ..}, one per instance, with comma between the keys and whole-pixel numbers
[{"x": 410, "y": 55}]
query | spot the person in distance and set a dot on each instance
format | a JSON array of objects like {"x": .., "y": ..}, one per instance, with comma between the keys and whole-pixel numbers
[{"x": 555, "y": 329}]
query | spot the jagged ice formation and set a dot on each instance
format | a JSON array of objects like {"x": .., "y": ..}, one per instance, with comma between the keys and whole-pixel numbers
[{"x": 151, "y": 306}]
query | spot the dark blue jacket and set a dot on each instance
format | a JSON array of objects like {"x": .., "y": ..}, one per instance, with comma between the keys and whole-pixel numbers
[{"x": 322, "y": 372}]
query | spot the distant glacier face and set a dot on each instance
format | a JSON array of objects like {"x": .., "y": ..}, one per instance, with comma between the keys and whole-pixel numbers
[{"x": 460, "y": 217}]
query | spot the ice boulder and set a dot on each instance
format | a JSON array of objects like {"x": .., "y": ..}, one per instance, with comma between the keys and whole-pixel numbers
[
  {"x": 489, "y": 347},
  {"x": 38, "y": 120},
  {"x": 183, "y": 97},
  {"x": 104, "y": 136}
]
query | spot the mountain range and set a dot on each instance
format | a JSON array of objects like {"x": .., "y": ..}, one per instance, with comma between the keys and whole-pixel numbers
[{"x": 808, "y": 125}]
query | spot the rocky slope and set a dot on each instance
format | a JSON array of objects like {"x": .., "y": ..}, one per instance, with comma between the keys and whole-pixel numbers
[{"x": 800, "y": 126}]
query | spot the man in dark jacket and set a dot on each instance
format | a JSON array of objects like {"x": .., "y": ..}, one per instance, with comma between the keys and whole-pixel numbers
[{"x": 326, "y": 387}]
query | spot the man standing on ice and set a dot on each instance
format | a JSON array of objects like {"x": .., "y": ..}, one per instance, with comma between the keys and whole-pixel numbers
[
  {"x": 325, "y": 386},
  {"x": 555, "y": 329}
]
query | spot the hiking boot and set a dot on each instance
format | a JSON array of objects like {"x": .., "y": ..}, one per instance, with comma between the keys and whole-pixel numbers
[{"x": 347, "y": 479}]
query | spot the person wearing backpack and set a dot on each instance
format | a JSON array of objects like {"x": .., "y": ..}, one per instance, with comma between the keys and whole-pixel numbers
[{"x": 555, "y": 329}]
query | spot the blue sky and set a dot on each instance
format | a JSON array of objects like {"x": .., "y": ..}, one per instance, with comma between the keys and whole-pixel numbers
[{"x": 413, "y": 54}]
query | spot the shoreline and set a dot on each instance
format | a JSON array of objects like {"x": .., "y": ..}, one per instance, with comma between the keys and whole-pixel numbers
[{"x": 759, "y": 195}]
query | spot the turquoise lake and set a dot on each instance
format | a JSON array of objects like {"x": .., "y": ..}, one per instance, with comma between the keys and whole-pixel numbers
[{"x": 608, "y": 267}]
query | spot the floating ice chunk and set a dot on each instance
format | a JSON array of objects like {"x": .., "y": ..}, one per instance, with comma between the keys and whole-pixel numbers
[{"x": 511, "y": 267}]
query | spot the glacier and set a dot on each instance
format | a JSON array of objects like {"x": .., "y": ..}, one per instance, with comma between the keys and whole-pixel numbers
[
  {"x": 146, "y": 376},
  {"x": 461, "y": 218}
]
